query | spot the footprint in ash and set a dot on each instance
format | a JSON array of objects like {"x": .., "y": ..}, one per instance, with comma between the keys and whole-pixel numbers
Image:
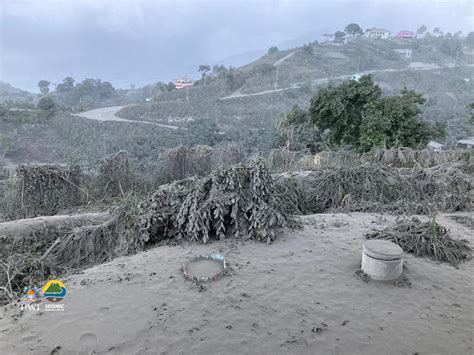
[
  {"x": 88, "y": 342},
  {"x": 103, "y": 311}
]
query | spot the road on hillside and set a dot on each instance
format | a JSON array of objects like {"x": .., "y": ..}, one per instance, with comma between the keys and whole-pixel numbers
[
  {"x": 281, "y": 60},
  {"x": 413, "y": 66},
  {"x": 109, "y": 114}
]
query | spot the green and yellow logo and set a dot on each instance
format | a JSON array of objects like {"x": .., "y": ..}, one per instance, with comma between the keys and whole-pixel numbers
[{"x": 54, "y": 291}]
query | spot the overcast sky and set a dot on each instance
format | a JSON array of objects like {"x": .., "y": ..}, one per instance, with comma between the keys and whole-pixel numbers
[{"x": 141, "y": 42}]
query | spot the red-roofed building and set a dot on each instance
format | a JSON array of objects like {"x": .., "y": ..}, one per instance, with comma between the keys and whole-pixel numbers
[
  {"x": 183, "y": 83},
  {"x": 406, "y": 35}
]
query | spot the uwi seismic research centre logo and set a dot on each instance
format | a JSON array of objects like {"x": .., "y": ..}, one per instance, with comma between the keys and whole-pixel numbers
[{"x": 54, "y": 291}]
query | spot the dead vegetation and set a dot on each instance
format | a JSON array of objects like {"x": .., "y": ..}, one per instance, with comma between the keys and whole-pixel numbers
[
  {"x": 26, "y": 249},
  {"x": 115, "y": 175},
  {"x": 283, "y": 159},
  {"x": 235, "y": 202},
  {"x": 241, "y": 201},
  {"x": 377, "y": 188},
  {"x": 183, "y": 162},
  {"x": 43, "y": 190},
  {"x": 425, "y": 239}
]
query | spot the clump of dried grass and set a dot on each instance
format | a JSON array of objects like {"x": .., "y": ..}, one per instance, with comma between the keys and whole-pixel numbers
[{"x": 425, "y": 239}]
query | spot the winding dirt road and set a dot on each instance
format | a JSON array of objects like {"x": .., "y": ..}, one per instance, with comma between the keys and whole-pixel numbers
[
  {"x": 109, "y": 114},
  {"x": 415, "y": 66}
]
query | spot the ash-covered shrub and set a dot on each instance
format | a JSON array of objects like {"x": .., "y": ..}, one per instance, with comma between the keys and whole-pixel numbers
[
  {"x": 44, "y": 190},
  {"x": 115, "y": 175},
  {"x": 425, "y": 239}
]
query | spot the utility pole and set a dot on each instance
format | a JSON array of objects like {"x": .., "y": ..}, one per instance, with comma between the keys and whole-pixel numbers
[
  {"x": 186, "y": 87},
  {"x": 276, "y": 78}
]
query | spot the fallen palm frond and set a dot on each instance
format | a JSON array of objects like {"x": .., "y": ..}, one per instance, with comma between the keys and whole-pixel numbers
[
  {"x": 425, "y": 239},
  {"x": 238, "y": 200}
]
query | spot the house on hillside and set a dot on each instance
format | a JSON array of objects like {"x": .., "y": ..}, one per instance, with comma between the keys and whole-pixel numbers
[
  {"x": 405, "y": 35},
  {"x": 378, "y": 33},
  {"x": 404, "y": 52},
  {"x": 355, "y": 77},
  {"x": 465, "y": 143},
  {"x": 433, "y": 145},
  {"x": 183, "y": 83}
]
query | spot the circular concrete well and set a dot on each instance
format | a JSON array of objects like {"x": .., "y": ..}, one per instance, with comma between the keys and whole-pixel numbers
[
  {"x": 205, "y": 268},
  {"x": 382, "y": 260}
]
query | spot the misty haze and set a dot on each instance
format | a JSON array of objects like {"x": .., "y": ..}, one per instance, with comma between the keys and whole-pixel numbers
[{"x": 236, "y": 177}]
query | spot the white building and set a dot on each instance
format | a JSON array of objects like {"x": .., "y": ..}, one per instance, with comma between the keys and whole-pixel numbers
[
  {"x": 435, "y": 145},
  {"x": 465, "y": 143},
  {"x": 355, "y": 77},
  {"x": 378, "y": 33}
]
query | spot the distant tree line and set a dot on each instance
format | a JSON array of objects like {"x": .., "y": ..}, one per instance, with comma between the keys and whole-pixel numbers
[{"x": 88, "y": 92}]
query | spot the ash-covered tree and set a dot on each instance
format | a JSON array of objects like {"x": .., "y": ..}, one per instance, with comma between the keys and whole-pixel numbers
[
  {"x": 353, "y": 30},
  {"x": 421, "y": 30},
  {"x": 307, "y": 49},
  {"x": 394, "y": 121},
  {"x": 298, "y": 132},
  {"x": 340, "y": 109},
  {"x": 170, "y": 86},
  {"x": 44, "y": 86},
  {"x": 469, "y": 40},
  {"x": 204, "y": 69},
  {"x": 339, "y": 36},
  {"x": 272, "y": 50},
  {"x": 47, "y": 106},
  {"x": 219, "y": 71},
  {"x": 471, "y": 113},
  {"x": 450, "y": 45},
  {"x": 67, "y": 85},
  {"x": 161, "y": 87},
  {"x": 355, "y": 114}
]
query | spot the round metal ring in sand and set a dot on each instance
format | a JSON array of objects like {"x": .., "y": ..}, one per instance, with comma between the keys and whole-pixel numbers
[{"x": 204, "y": 268}]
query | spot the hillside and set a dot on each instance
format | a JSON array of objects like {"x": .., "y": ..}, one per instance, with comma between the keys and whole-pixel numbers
[
  {"x": 259, "y": 93},
  {"x": 239, "y": 105},
  {"x": 8, "y": 92}
]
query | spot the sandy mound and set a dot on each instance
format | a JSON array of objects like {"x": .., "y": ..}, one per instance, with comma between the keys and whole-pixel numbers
[{"x": 299, "y": 295}]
